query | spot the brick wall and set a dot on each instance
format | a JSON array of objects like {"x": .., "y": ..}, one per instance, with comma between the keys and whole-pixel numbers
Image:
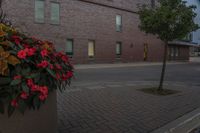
[{"x": 83, "y": 21}]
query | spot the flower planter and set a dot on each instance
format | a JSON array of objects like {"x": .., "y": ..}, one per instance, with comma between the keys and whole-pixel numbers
[
  {"x": 43, "y": 120},
  {"x": 30, "y": 72}
]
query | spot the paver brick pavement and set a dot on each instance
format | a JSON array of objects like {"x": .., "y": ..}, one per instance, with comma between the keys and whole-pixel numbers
[{"x": 122, "y": 109}]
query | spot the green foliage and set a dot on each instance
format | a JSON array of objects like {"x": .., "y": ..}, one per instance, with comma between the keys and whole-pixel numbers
[{"x": 170, "y": 20}]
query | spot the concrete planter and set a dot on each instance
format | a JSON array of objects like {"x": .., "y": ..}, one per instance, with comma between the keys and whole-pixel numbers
[{"x": 39, "y": 121}]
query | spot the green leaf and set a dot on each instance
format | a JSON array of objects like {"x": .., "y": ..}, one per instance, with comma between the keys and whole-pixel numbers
[
  {"x": 52, "y": 73},
  {"x": 25, "y": 88},
  {"x": 34, "y": 75},
  {"x": 26, "y": 71},
  {"x": 15, "y": 82},
  {"x": 11, "y": 110},
  {"x": 22, "y": 106},
  {"x": 4, "y": 81},
  {"x": 2, "y": 110},
  {"x": 36, "y": 102}
]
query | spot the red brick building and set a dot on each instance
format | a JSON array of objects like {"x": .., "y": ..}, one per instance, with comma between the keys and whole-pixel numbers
[{"x": 90, "y": 31}]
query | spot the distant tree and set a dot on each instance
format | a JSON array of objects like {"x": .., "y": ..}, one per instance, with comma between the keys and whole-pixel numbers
[{"x": 168, "y": 20}]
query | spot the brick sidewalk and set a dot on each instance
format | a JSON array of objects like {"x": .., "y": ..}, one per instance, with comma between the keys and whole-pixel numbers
[{"x": 121, "y": 109}]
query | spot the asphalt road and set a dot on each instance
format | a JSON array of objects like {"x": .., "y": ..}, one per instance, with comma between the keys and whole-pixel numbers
[{"x": 188, "y": 73}]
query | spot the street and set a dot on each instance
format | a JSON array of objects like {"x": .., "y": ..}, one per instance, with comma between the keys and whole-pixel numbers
[{"x": 187, "y": 73}]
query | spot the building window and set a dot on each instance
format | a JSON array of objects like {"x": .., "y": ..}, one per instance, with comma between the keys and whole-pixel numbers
[
  {"x": 55, "y": 13},
  {"x": 118, "y": 49},
  {"x": 176, "y": 51},
  {"x": 91, "y": 48},
  {"x": 118, "y": 23},
  {"x": 69, "y": 47},
  {"x": 39, "y": 11}
]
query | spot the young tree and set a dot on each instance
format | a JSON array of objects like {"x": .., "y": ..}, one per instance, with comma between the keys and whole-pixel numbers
[{"x": 169, "y": 20}]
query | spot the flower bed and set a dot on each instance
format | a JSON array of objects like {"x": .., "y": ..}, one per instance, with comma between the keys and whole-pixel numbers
[{"x": 29, "y": 70}]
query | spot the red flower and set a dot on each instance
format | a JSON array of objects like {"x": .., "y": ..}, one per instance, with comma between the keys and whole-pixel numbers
[
  {"x": 14, "y": 103},
  {"x": 58, "y": 67},
  {"x": 43, "y": 64},
  {"x": 24, "y": 95},
  {"x": 65, "y": 58},
  {"x": 69, "y": 74},
  {"x": 44, "y": 90},
  {"x": 58, "y": 76},
  {"x": 17, "y": 77},
  {"x": 34, "y": 88},
  {"x": 51, "y": 66},
  {"x": 21, "y": 54},
  {"x": 31, "y": 51},
  {"x": 16, "y": 39},
  {"x": 64, "y": 77},
  {"x": 30, "y": 82},
  {"x": 44, "y": 53},
  {"x": 26, "y": 46},
  {"x": 59, "y": 54},
  {"x": 42, "y": 97}
]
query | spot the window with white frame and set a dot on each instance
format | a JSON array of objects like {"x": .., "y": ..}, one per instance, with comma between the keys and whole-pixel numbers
[
  {"x": 55, "y": 13},
  {"x": 118, "y": 49},
  {"x": 39, "y": 11},
  {"x": 69, "y": 47},
  {"x": 118, "y": 23}
]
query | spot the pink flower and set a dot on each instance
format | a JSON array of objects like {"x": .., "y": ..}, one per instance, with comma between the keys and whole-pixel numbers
[
  {"x": 43, "y": 64},
  {"x": 44, "y": 53},
  {"x": 21, "y": 54},
  {"x": 14, "y": 103},
  {"x": 24, "y": 95},
  {"x": 17, "y": 77}
]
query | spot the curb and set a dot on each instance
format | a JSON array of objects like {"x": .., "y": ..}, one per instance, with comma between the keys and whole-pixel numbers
[
  {"x": 119, "y": 65},
  {"x": 184, "y": 124}
]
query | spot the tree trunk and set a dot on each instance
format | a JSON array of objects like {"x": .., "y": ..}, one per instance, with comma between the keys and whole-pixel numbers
[{"x": 160, "y": 88}]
